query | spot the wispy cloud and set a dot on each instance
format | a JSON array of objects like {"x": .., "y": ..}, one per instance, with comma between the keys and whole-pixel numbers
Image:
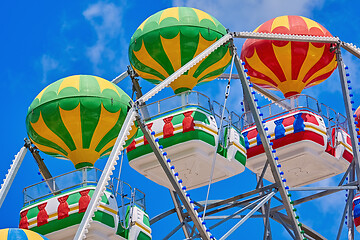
[
  {"x": 247, "y": 15},
  {"x": 48, "y": 64},
  {"x": 106, "y": 19}
]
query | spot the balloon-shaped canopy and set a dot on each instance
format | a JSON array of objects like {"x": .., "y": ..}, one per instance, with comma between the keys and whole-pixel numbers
[
  {"x": 20, "y": 234},
  {"x": 172, "y": 37},
  {"x": 289, "y": 66},
  {"x": 78, "y": 118}
]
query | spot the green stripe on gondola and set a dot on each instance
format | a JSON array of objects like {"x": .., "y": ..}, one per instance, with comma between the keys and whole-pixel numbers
[
  {"x": 180, "y": 90},
  {"x": 240, "y": 157},
  {"x": 88, "y": 127},
  {"x": 72, "y": 220},
  {"x": 73, "y": 198},
  {"x": 173, "y": 141}
]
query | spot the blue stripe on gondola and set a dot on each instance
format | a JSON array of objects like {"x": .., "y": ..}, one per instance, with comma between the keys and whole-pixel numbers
[
  {"x": 246, "y": 140},
  {"x": 258, "y": 139}
]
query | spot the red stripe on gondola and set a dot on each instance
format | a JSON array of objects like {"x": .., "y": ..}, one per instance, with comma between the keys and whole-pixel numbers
[
  {"x": 288, "y": 139},
  {"x": 348, "y": 156}
]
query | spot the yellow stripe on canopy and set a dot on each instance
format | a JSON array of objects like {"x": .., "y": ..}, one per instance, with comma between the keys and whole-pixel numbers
[
  {"x": 146, "y": 75},
  {"x": 282, "y": 21},
  {"x": 72, "y": 122},
  {"x": 259, "y": 66},
  {"x": 219, "y": 64},
  {"x": 32, "y": 235},
  {"x": 105, "y": 85},
  {"x": 284, "y": 58},
  {"x": 170, "y": 12},
  {"x": 106, "y": 122},
  {"x": 310, "y": 24},
  {"x": 172, "y": 49},
  {"x": 43, "y": 131},
  {"x": 150, "y": 62},
  {"x": 72, "y": 81},
  {"x": 313, "y": 55},
  {"x": 203, "y": 15}
]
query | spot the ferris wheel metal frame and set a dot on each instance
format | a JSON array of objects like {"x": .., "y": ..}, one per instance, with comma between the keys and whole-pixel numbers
[{"x": 257, "y": 201}]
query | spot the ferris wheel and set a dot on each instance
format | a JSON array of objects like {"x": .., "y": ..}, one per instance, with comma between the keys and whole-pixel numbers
[{"x": 187, "y": 141}]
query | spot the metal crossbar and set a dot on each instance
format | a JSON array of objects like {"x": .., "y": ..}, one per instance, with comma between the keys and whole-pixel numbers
[{"x": 226, "y": 235}]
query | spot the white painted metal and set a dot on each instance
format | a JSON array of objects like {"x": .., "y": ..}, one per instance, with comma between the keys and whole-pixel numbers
[
  {"x": 120, "y": 77},
  {"x": 285, "y": 37},
  {"x": 10, "y": 176},
  {"x": 138, "y": 224},
  {"x": 351, "y": 48}
]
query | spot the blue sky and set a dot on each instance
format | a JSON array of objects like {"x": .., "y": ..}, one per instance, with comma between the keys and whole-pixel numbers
[{"x": 44, "y": 41}]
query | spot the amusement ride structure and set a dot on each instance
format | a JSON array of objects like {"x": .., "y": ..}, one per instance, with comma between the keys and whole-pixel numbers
[{"x": 186, "y": 141}]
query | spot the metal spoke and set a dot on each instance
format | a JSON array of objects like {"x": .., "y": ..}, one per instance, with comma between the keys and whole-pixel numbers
[{"x": 226, "y": 235}]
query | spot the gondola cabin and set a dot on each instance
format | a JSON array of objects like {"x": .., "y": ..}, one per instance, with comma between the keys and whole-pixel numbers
[
  {"x": 187, "y": 129},
  {"x": 356, "y": 211},
  {"x": 310, "y": 139},
  {"x": 56, "y": 206}
]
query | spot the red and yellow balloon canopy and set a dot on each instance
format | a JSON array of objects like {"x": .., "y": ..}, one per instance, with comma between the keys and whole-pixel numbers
[{"x": 289, "y": 66}]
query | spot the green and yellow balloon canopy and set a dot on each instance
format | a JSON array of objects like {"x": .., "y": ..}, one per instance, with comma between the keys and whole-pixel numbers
[
  {"x": 78, "y": 118},
  {"x": 170, "y": 38}
]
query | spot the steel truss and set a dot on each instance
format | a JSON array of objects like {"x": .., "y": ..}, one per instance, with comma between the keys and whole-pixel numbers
[
  {"x": 248, "y": 200},
  {"x": 258, "y": 202}
]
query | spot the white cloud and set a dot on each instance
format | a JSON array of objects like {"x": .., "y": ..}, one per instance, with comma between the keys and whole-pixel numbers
[
  {"x": 333, "y": 203},
  {"x": 106, "y": 19},
  {"x": 247, "y": 15},
  {"x": 48, "y": 64}
]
